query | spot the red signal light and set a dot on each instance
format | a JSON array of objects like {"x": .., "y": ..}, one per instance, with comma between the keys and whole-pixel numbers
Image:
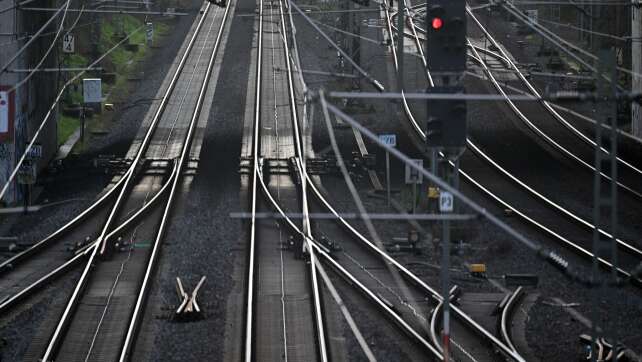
[{"x": 437, "y": 23}]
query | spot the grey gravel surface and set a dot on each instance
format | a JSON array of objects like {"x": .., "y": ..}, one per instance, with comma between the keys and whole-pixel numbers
[
  {"x": 202, "y": 236},
  {"x": 502, "y": 254}
]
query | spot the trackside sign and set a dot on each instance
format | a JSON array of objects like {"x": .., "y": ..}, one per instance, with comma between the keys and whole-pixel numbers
[{"x": 6, "y": 113}]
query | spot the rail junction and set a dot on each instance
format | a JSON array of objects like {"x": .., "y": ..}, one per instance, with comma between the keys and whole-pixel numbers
[{"x": 261, "y": 213}]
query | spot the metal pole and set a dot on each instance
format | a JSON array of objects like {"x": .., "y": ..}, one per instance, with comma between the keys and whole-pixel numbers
[
  {"x": 388, "y": 175},
  {"x": 433, "y": 169},
  {"x": 414, "y": 197},
  {"x": 400, "y": 37},
  {"x": 636, "y": 65},
  {"x": 26, "y": 198},
  {"x": 445, "y": 280},
  {"x": 445, "y": 287},
  {"x": 82, "y": 125}
]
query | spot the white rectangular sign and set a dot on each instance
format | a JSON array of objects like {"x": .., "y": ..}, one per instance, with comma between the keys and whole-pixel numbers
[
  {"x": 388, "y": 139},
  {"x": 4, "y": 112},
  {"x": 35, "y": 151},
  {"x": 446, "y": 202},
  {"x": 413, "y": 176},
  {"x": 92, "y": 90},
  {"x": 68, "y": 43}
]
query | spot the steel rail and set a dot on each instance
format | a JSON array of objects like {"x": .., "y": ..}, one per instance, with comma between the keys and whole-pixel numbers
[
  {"x": 257, "y": 177},
  {"x": 409, "y": 274},
  {"x": 52, "y": 108},
  {"x": 506, "y": 312},
  {"x": 624, "y": 134},
  {"x": 353, "y": 280},
  {"x": 434, "y": 317},
  {"x": 548, "y": 255},
  {"x": 100, "y": 245},
  {"x": 622, "y": 244},
  {"x": 625, "y": 245},
  {"x": 144, "y": 289},
  {"x": 80, "y": 254},
  {"x": 549, "y": 107},
  {"x": 555, "y": 235},
  {"x": 321, "y": 337},
  {"x": 419, "y": 46},
  {"x": 252, "y": 257},
  {"x": 35, "y": 248},
  {"x": 390, "y": 260},
  {"x": 553, "y": 105},
  {"x": 546, "y": 104},
  {"x": 543, "y": 135},
  {"x": 396, "y": 64}
]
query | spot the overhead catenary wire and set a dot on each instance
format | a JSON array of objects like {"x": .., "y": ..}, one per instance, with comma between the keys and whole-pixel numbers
[
  {"x": 13, "y": 174},
  {"x": 16, "y": 6},
  {"x": 64, "y": 6},
  {"x": 363, "y": 72},
  {"x": 560, "y": 42},
  {"x": 554, "y": 113},
  {"x": 44, "y": 57},
  {"x": 548, "y": 255}
]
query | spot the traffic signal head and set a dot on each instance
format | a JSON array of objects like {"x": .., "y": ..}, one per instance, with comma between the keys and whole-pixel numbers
[
  {"x": 446, "y": 123},
  {"x": 446, "y": 35},
  {"x": 437, "y": 23}
]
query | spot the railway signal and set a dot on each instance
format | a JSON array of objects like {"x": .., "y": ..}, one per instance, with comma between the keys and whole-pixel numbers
[
  {"x": 446, "y": 36},
  {"x": 446, "y": 124}
]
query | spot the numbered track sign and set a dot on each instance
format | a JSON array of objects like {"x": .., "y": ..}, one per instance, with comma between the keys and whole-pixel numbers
[
  {"x": 446, "y": 202},
  {"x": 388, "y": 139},
  {"x": 68, "y": 44}
]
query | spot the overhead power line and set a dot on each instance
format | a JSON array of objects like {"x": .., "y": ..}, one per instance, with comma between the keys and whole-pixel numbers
[
  {"x": 13, "y": 174},
  {"x": 40, "y": 31},
  {"x": 44, "y": 57}
]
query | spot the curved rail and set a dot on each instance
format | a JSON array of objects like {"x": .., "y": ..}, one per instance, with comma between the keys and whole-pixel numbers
[
  {"x": 252, "y": 258},
  {"x": 546, "y": 104},
  {"x": 318, "y": 310},
  {"x": 101, "y": 246},
  {"x": 434, "y": 335},
  {"x": 507, "y": 311},
  {"x": 627, "y": 246},
  {"x": 144, "y": 289},
  {"x": 539, "y": 132},
  {"x": 37, "y": 247},
  {"x": 31, "y": 288},
  {"x": 582, "y": 251},
  {"x": 353, "y": 280},
  {"x": 410, "y": 275}
]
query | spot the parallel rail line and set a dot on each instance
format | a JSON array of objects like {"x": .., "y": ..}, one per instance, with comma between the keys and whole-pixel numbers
[
  {"x": 101, "y": 245},
  {"x": 572, "y": 245},
  {"x": 257, "y": 179}
]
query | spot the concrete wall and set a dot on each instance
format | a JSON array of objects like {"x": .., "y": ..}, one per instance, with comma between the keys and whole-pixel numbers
[{"x": 32, "y": 99}]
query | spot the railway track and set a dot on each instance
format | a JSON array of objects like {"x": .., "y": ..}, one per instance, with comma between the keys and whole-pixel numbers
[
  {"x": 410, "y": 325},
  {"x": 280, "y": 291},
  {"x": 102, "y": 315},
  {"x": 576, "y": 246}
]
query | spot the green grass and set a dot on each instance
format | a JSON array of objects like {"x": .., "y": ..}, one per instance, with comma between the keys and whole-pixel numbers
[
  {"x": 76, "y": 61},
  {"x": 66, "y": 127}
]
